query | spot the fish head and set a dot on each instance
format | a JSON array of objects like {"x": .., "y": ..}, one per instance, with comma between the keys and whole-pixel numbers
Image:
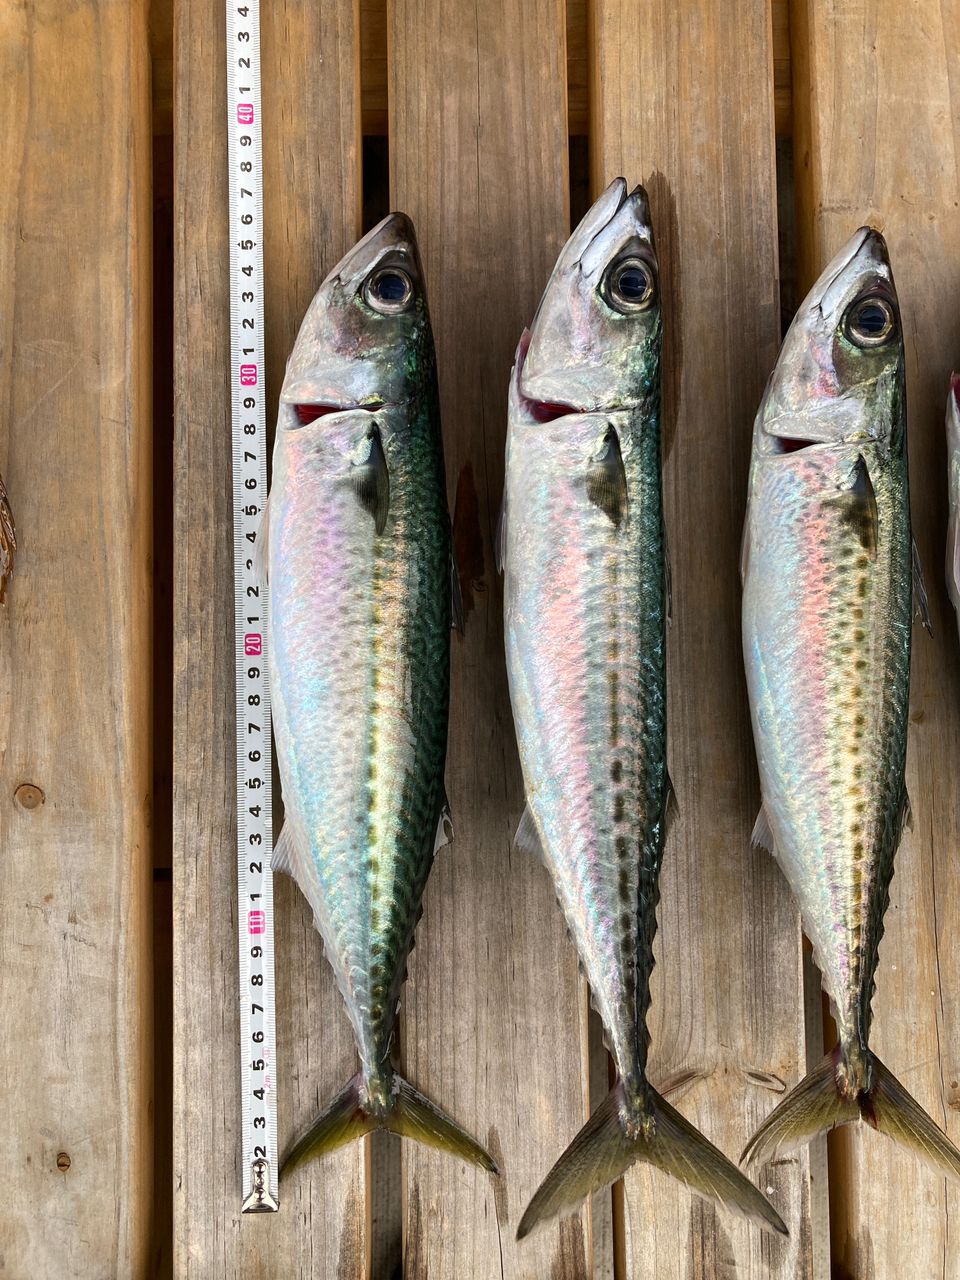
[
  {"x": 365, "y": 341},
  {"x": 594, "y": 343},
  {"x": 839, "y": 376}
]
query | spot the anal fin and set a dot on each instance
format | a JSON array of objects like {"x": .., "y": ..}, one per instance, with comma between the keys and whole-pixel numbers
[
  {"x": 283, "y": 857},
  {"x": 762, "y": 837},
  {"x": 527, "y": 838}
]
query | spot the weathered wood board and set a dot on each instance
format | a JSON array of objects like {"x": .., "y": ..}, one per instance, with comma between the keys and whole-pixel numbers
[
  {"x": 494, "y": 1025},
  {"x": 728, "y": 1011},
  {"x": 878, "y": 140},
  {"x": 75, "y": 640},
  {"x": 311, "y": 212}
]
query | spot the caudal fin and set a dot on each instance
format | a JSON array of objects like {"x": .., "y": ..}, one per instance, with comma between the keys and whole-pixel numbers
[
  {"x": 818, "y": 1105},
  {"x": 408, "y": 1112},
  {"x": 605, "y": 1148}
]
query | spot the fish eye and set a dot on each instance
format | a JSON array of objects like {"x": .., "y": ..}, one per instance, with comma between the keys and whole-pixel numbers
[
  {"x": 630, "y": 285},
  {"x": 870, "y": 322},
  {"x": 388, "y": 290}
]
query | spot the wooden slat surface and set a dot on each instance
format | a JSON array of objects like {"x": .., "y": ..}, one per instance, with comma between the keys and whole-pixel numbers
[
  {"x": 75, "y": 990},
  {"x": 879, "y": 141},
  {"x": 493, "y": 1020},
  {"x": 311, "y": 209},
  {"x": 728, "y": 990},
  {"x": 374, "y": 76}
]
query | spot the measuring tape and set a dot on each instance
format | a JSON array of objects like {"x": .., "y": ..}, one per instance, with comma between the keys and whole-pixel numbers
[{"x": 258, "y": 1063}]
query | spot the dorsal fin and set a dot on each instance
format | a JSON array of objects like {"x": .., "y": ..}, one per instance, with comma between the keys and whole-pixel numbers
[
  {"x": 921, "y": 601},
  {"x": 457, "y": 620}
]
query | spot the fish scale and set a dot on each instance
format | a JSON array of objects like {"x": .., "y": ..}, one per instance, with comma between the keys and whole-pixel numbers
[{"x": 831, "y": 631}]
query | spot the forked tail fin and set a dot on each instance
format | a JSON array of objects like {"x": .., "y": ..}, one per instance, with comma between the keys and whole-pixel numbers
[
  {"x": 605, "y": 1148},
  {"x": 408, "y": 1112},
  {"x": 818, "y": 1104}
]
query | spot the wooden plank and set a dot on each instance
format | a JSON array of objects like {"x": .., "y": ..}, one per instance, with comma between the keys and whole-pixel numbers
[
  {"x": 728, "y": 1005},
  {"x": 312, "y": 198},
  {"x": 879, "y": 141},
  {"x": 373, "y": 64},
  {"x": 493, "y": 1021},
  {"x": 75, "y": 983},
  {"x": 782, "y": 73}
]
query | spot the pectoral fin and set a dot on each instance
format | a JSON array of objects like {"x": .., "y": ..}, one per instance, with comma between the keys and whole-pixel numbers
[
  {"x": 371, "y": 481},
  {"x": 857, "y": 505},
  {"x": 607, "y": 480}
]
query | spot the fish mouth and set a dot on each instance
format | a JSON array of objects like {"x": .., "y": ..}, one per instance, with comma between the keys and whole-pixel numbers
[
  {"x": 310, "y": 412},
  {"x": 781, "y": 445},
  {"x": 792, "y": 444},
  {"x": 549, "y": 411}
]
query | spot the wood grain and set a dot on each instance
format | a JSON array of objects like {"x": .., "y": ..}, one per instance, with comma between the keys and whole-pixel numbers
[
  {"x": 688, "y": 110},
  {"x": 879, "y": 141},
  {"x": 494, "y": 1025},
  {"x": 75, "y": 447},
  {"x": 374, "y": 77},
  {"x": 311, "y": 211}
]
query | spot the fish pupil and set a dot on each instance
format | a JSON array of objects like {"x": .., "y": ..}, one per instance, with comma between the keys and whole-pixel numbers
[
  {"x": 872, "y": 318},
  {"x": 632, "y": 284},
  {"x": 391, "y": 287}
]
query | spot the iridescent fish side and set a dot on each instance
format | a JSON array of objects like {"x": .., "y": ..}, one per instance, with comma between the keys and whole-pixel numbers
[
  {"x": 581, "y": 545},
  {"x": 828, "y": 602},
  {"x": 359, "y": 560},
  {"x": 953, "y": 492}
]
